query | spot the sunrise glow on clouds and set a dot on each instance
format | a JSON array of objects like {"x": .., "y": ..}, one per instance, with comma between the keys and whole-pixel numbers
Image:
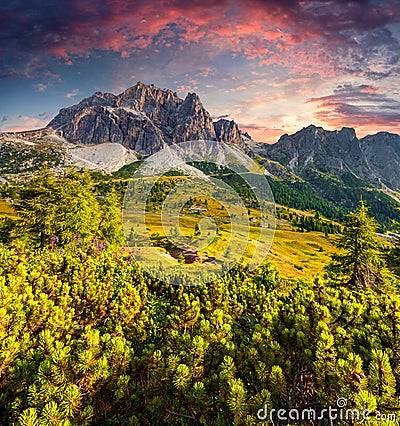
[{"x": 272, "y": 66}]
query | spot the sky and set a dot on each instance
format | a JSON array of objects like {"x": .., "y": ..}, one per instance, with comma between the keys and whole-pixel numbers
[{"x": 273, "y": 66}]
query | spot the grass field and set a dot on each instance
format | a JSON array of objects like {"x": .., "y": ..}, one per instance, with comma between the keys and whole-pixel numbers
[
  {"x": 295, "y": 254},
  {"x": 300, "y": 254},
  {"x": 6, "y": 209}
]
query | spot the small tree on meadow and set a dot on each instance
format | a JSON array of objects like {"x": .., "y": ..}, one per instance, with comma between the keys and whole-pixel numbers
[{"x": 358, "y": 263}]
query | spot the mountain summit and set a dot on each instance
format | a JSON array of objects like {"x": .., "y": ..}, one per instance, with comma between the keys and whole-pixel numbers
[
  {"x": 315, "y": 147},
  {"x": 107, "y": 131},
  {"x": 143, "y": 118},
  {"x": 374, "y": 158}
]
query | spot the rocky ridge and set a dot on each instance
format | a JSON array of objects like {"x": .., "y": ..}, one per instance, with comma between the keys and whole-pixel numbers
[
  {"x": 143, "y": 118},
  {"x": 106, "y": 131},
  {"x": 374, "y": 159}
]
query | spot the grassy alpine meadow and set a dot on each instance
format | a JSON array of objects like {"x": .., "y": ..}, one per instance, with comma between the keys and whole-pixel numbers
[
  {"x": 295, "y": 254},
  {"x": 301, "y": 254},
  {"x": 6, "y": 208}
]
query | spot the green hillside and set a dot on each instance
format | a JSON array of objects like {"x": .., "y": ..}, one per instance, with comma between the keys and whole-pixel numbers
[{"x": 89, "y": 338}]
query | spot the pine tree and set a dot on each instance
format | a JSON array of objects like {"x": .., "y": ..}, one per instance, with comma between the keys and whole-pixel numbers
[
  {"x": 359, "y": 263},
  {"x": 37, "y": 207},
  {"x": 393, "y": 257},
  {"x": 7, "y": 229},
  {"x": 54, "y": 209},
  {"x": 77, "y": 208},
  {"x": 110, "y": 227}
]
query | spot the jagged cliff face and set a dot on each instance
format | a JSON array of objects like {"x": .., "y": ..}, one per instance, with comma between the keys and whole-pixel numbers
[
  {"x": 375, "y": 158},
  {"x": 382, "y": 152},
  {"x": 314, "y": 147},
  {"x": 143, "y": 118},
  {"x": 228, "y": 131}
]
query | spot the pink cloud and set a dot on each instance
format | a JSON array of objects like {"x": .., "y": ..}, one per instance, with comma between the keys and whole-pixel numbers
[
  {"x": 298, "y": 35},
  {"x": 366, "y": 108},
  {"x": 53, "y": 76},
  {"x": 22, "y": 123}
]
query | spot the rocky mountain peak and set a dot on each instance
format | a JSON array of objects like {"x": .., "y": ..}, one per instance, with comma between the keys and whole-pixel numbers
[
  {"x": 319, "y": 133},
  {"x": 99, "y": 98},
  {"x": 143, "y": 118},
  {"x": 193, "y": 121},
  {"x": 147, "y": 97},
  {"x": 382, "y": 151},
  {"x": 314, "y": 148},
  {"x": 374, "y": 158},
  {"x": 311, "y": 129},
  {"x": 228, "y": 130},
  {"x": 191, "y": 105},
  {"x": 348, "y": 133}
]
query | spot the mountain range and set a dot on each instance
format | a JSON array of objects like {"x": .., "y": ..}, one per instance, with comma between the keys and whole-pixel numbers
[
  {"x": 144, "y": 119},
  {"x": 106, "y": 132},
  {"x": 374, "y": 158}
]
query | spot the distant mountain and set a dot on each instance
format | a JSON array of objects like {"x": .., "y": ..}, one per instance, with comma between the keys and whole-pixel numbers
[
  {"x": 339, "y": 168},
  {"x": 374, "y": 159},
  {"x": 143, "y": 118},
  {"x": 312, "y": 169},
  {"x": 382, "y": 152},
  {"x": 314, "y": 147}
]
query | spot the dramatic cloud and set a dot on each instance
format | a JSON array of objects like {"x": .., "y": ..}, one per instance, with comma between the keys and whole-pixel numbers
[
  {"x": 269, "y": 31},
  {"x": 363, "y": 107},
  {"x": 261, "y": 60}
]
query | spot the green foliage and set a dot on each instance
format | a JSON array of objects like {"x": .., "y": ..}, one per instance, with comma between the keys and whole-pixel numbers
[
  {"x": 360, "y": 263},
  {"x": 128, "y": 170},
  {"x": 110, "y": 228},
  {"x": 8, "y": 229},
  {"x": 334, "y": 197},
  {"x": 55, "y": 210},
  {"x": 346, "y": 192},
  {"x": 58, "y": 207},
  {"x": 308, "y": 223},
  {"x": 393, "y": 255},
  {"x": 266, "y": 276},
  {"x": 65, "y": 323},
  {"x": 88, "y": 338},
  {"x": 301, "y": 195}
]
